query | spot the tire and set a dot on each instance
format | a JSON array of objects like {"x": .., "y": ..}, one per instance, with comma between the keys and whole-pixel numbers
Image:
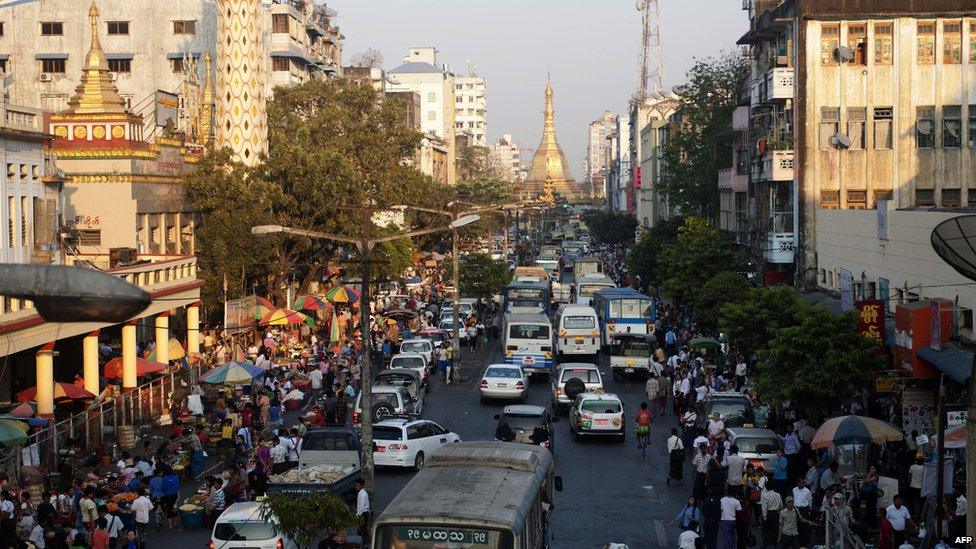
[
  {"x": 382, "y": 411},
  {"x": 573, "y": 388},
  {"x": 419, "y": 461}
]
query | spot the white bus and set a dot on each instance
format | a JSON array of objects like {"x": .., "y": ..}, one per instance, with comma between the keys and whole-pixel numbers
[
  {"x": 527, "y": 339},
  {"x": 577, "y": 331},
  {"x": 484, "y": 495},
  {"x": 586, "y": 285}
]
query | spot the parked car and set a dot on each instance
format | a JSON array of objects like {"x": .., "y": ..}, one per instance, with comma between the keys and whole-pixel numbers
[
  {"x": 587, "y": 374},
  {"x": 411, "y": 361},
  {"x": 402, "y": 377},
  {"x": 388, "y": 401},
  {"x": 465, "y": 308},
  {"x": 757, "y": 446},
  {"x": 504, "y": 381},
  {"x": 733, "y": 407},
  {"x": 446, "y": 325},
  {"x": 242, "y": 526},
  {"x": 407, "y": 442},
  {"x": 597, "y": 414},
  {"x": 526, "y": 424},
  {"x": 434, "y": 334},
  {"x": 422, "y": 346}
]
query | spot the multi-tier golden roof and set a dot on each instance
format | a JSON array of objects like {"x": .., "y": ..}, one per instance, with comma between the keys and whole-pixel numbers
[
  {"x": 96, "y": 94},
  {"x": 549, "y": 167}
]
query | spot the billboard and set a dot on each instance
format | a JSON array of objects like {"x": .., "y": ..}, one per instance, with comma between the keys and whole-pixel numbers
[
  {"x": 239, "y": 314},
  {"x": 167, "y": 109},
  {"x": 871, "y": 320}
]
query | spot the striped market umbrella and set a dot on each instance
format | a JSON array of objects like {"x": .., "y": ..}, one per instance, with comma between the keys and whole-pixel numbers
[
  {"x": 12, "y": 432},
  {"x": 262, "y": 306},
  {"x": 310, "y": 303},
  {"x": 342, "y": 294},
  {"x": 854, "y": 430},
  {"x": 282, "y": 317},
  {"x": 62, "y": 391},
  {"x": 24, "y": 410},
  {"x": 233, "y": 373},
  {"x": 144, "y": 367}
]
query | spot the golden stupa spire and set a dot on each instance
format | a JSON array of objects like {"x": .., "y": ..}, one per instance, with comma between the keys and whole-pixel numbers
[
  {"x": 207, "y": 109},
  {"x": 549, "y": 168},
  {"x": 96, "y": 94}
]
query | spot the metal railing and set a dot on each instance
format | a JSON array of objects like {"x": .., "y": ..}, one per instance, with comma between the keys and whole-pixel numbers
[{"x": 838, "y": 535}]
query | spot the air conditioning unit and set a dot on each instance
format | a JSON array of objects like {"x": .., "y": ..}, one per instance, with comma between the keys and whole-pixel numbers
[
  {"x": 122, "y": 256},
  {"x": 46, "y": 77}
]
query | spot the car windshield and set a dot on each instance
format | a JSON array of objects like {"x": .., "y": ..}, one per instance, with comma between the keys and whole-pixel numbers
[
  {"x": 528, "y": 331},
  {"x": 757, "y": 445},
  {"x": 244, "y": 531},
  {"x": 521, "y": 422},
  {"x": 414, "y": 346},
  {"x": 636, "y": 348},
  {"x": 601, "y": 406},
  {"x": 387, "y": 433},
  {"x": 511, "y": 373},
  {"x": 397, "y": 380},
  {"x": 587, "y": 376},
  {"x": 726, "y": 408},
  {"x": 579, "y": 322},
  {"x": 407, "y": 362}
]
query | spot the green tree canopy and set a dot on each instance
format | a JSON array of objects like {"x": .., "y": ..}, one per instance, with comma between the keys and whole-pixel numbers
[
  {"x": 700, "y": 252},
  {"x": 480, "y": 275},
  {"x": 751, "y": 322},
  {"x": 725, "y": 287},
  {"x": 642, "y": 260},
  {"x": 701, "y": 143},
  {"x": 608, "y": 227},
  {"x": 476, "y": 162},
  {"x": 306, "y": 519}
]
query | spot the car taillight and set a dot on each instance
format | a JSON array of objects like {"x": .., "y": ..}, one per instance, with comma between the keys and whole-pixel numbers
[
  {"x": 397, "y": 446},
  {"x": 520, "y": 385},
  {"x": 356, "y": 418},
  {"x": 211, "y": 544},
  {"x": 484, "y": 384}
]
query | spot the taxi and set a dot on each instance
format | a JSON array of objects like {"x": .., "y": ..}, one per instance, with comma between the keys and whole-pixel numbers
[{"x": 599, "y": 414}]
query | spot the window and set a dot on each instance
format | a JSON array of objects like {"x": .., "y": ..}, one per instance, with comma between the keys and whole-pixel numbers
[
  {"x": 857, "y": 41},
  {"x": 279, "y": 23},
  {"x": 972, "y": 42},
  {"x": 971, "y": 198},
  {"x": 24, "y": 226},
  {"x": 52, "y": 28},
  {"x": 53, "y": 65},
  {"x": 431, "y": 97},
  {"x": 11, "y": 222},
  {"x": 431, "y": 115},
  {"x": 882, "y": 128},
  {"x": 3, "y": 65},
  {"x": 951, "y": 198},
  {"x": 972, "y": 126},
  {"x": 856, "y": 116},
  {"x": 118, "y": 27},
  {"x": 882, "y": 195},
  {"x": 1, "y": 28},
  {"x": 926, "y": 44},
  {"x": 280, "y": 64},
  {"x": 120, "y": 65},
  {"x": 829, "y": 41},
  {"x": 89, "y": 237},
  {"x": 924, "y": 197},
  {"x": 925, "y": 127},
  {"x": 951, "y": 42},
  {"x": 829, "y": 125},
  {"x": 177, "y": 64},
  {"x": 952, "y": 126},
  {"x": 883, "y": 49},
  {"x": 830, "y": 200},
  {"x": 857, "y": 200},
  {"x": 184, "y": 27}
]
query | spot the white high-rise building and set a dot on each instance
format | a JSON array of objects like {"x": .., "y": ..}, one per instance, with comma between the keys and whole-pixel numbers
[
  {"x": 507, "y": 157},
  {"x": 471, "y": 105},
  {"x": 596, "y": 157}
]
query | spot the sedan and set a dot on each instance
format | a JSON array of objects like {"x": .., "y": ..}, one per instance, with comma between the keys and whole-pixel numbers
[
  {"x": 504, "y": 381},
  {"x": 407, "y": 443}
]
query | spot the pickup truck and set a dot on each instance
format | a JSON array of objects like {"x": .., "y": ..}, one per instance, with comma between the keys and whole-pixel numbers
[
  {"x": 631, "y": 355},
  {"x": 330, "y": 461}
]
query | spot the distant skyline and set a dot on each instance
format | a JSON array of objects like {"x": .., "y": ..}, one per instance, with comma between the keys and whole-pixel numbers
[{"x": 590, "y": 47}]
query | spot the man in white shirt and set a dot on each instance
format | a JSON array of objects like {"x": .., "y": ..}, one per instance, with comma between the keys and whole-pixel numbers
[
  {"x": 730, "y": 505},
  {"x": 899, "y": 517},
  {"x": 737, "y": 464},
  {"x": 141, "y": 508},
  {"x": 740, "y": 373},
  {"x": 715, "y": 425},
  {"x": 687, "y": 538},
  {"x": 362, "y": 511},
  {"x": 803, "y": 501},
  {"x": 315, "y": 376}
]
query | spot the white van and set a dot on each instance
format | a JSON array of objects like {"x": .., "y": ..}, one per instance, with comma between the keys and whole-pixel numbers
[
  {"x": 241, "y": 526},
  {"x": 527, "y": 340},
  {"x": 584, "y": 286},
  {"x": 577, "y": 331}
]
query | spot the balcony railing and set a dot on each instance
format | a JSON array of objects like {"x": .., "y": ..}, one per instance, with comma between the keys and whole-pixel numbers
[
  {"x": 21, "y": 118},
  {"x": 728, "y": 179},
  {"x": 774, "y": 166},
  {"x": 780, "y": 247},
  {"x": 779, "y": 83}
]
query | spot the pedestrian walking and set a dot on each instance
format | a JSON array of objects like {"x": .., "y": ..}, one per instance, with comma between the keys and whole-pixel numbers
[
  {"x": 362, "y": 511},
  {"x": 730, "y": 506},
  {"x": 141, "y": 509},
  {"x": 700, "y": 464},
  {"x": 676, "y": 457}
]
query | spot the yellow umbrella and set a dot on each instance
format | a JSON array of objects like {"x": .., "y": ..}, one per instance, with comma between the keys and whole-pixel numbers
[{"x": 176, "y": 350}]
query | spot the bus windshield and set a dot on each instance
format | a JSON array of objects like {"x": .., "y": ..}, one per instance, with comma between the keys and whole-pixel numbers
[
  {"x": 407, "y": 536},
  {"x": 630, "y": 308},
  {"x": 528, "y": 331},
  {"x": 587, "y": 290},
  {"x": 525, "y": 297}
]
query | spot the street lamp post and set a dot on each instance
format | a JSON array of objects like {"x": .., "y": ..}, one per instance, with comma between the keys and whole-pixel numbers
[{"x": 365, "y": 245}]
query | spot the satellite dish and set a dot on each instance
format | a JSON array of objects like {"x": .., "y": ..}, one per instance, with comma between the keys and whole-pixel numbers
[
  {"x": 955, "y": 242},
  {"x": 681, "y": 89},
  {"x": 844, "y": 54},
  {"x": 640, "y": 5},
  {"x": 841, "y": 140}
]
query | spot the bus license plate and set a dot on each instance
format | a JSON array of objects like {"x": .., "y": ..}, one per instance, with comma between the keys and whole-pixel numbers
[
  {"x": 528, "y": 361},
  {"x": 578, "y": 340},
  {"x": 629, "y": 370}
]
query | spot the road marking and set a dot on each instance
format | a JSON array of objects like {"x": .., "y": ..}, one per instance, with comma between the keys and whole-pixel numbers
[{"x": 662, "y": 536}]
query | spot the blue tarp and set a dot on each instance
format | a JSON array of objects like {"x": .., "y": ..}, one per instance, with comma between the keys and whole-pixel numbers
[{"x": 955, "y": 362}]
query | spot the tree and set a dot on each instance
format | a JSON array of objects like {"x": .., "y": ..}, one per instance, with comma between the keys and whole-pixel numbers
[
  {"x": 701, "y": 143},
  {"x": 476, "y": 162},
  {"x": 699, "y": 253},
  {"x": 821, "y": 359},
  {"x": 306, "y": 519},
  {"x": 608, "y": 227},
  {"x": 750, "y": 323},
  {"x": 642, "y": 260},
  {"x": 480, "y": 275},
  {"x": 725, "y": 287}
]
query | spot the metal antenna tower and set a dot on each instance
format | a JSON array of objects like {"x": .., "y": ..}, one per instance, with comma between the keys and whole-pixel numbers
[{"x": 650, "y": 68}]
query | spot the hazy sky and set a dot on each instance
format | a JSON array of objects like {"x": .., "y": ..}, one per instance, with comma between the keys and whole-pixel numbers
[{"x": 590, "y": 46}]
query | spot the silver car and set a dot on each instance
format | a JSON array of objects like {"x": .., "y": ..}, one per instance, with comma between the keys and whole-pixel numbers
[
  {"x": 756, "y": 446},
  {"x": 504, "y": 381},
  {"x": 588, "y": 373}
]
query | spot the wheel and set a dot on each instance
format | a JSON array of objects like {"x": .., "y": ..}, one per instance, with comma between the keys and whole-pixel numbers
[
  {"x": 381, "y": 411},
  {"x": 418, "y": 462}
]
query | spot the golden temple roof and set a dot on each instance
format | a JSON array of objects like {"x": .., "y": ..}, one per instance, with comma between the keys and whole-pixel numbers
[
  {"x": 96, "y": 94},
  {"x": 549, "y": 167}
]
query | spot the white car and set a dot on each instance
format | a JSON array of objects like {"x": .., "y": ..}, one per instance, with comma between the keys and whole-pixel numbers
[
  {"x": 465, "y": 308},
  {"x": 407, "y": 443},
  {"x": 420, "y": 346},
  {"x": 597, "y": 414},
  {"x": 411, "y": 361},
  {"x": 447, "y": 324},
  {"x": 242, "y": 526},
  {"x": 504, "y": 381},
  {"x": 588, "y": 373}
]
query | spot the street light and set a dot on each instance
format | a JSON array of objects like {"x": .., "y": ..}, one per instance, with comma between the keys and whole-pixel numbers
[{"x": 365, "y": 245}]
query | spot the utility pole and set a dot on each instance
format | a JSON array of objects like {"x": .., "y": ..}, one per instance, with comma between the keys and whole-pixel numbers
[
  {"x": 455, "y": 281},
  {"x": 365, "y": 368}
]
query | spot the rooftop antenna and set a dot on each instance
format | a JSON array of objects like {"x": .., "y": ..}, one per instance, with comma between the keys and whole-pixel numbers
[{"x": 651, "y": 52}]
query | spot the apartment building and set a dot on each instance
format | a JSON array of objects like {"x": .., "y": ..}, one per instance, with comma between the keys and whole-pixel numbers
[
  {"x": 507, "y": 158},
  {"x": 471, "y": 108},
  {"x": 646, "y": 122},
  {"x": 595, "y": 163}
]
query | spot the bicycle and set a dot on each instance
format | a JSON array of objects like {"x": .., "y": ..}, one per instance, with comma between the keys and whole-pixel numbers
[{"x": 643, "y": 434}]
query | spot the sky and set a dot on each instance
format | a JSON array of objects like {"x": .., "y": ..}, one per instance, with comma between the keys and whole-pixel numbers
[{"x": 591, "y": 48}]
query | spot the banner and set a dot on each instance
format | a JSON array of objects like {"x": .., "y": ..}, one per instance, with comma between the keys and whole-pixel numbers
[
  {"x": 167, "y": 109},
  {"x": 917, "y": 410},
  {"x": 936, "y": 325},
  {"x": 846, "y": 290},
  {"x": 871, "y": 320},
  {"x": 239, "y": 314}
]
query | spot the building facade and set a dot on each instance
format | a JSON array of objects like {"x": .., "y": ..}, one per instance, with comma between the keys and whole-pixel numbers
[
  {"x": 507, "y": 158},
  {"x": 646, "y": 121},
  {"x": 595, "y": 163},
  {"x": 471, "y": 106},
  {"x": 419, "y": 73},
  {"x": 619, "y": 190}
]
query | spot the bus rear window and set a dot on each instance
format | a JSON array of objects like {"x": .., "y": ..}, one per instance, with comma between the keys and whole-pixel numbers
[
  {"x": 244, "y": 531},
  {"x": 528, "y": 331},
  {"x": 579, "y": 322}
]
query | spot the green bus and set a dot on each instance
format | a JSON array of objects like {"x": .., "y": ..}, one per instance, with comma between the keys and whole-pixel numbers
[{"x": 474, "y": 495}]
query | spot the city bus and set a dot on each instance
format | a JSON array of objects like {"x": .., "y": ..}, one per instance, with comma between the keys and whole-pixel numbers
[
  {"x": 527, "y": 341},
  {"x": 526, "y": 297},
  {"x": 576, "y": 331},
  {"x": 624, "y": 311},
  {"x": 530, "y": 274},
  {"x": 569, "y": 252},
  {"x": 584, "y": 286},
  {"x": 587, "y": 266},
  {"x": 484, "y": 495}
]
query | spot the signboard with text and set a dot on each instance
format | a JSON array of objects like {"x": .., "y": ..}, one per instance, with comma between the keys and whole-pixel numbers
[{"x": 871, "y": 320}]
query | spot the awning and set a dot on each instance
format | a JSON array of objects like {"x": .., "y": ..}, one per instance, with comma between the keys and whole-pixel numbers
[
  {"x": 182, "y": 54},
  {"x": 951, "y": 360},
  {"x": 292, "y": 54},
  {"x": 114, "y": 56},
  {"x": 4, "y": 57},
  {"x": 43, "y": 56}
]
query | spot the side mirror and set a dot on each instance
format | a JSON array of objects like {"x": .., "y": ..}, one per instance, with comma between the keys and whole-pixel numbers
[
  {"x": 498, "y": 416},
  {"x": 555, "y": 419},
  {"x": 557, "y": 482}
]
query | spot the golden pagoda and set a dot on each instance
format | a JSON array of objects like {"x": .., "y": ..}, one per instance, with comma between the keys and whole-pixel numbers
[
  {"x": 96, "y": 94},
  {"x": 549, "y": 167}
]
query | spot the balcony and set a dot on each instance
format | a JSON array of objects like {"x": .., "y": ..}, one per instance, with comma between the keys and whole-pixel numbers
[
  {"x": 728, "y": 179},
  {"x": 21, "y": 118},
  {"x": 779, "y": 84},
  {"x": 780, "y": 247},
  {"x": 740, "y": 119},
  {"x": 774, "y": 166}
]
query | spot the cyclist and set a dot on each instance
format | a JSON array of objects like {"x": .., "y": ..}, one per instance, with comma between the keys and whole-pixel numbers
[{"x": 643, "y": 429}]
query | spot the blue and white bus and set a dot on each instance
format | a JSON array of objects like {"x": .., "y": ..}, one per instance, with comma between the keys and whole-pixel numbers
[
  {"x": 623, "y": 311},
  {"x": 528, "y": 342},
  {"x": 526, "y": 297}
]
